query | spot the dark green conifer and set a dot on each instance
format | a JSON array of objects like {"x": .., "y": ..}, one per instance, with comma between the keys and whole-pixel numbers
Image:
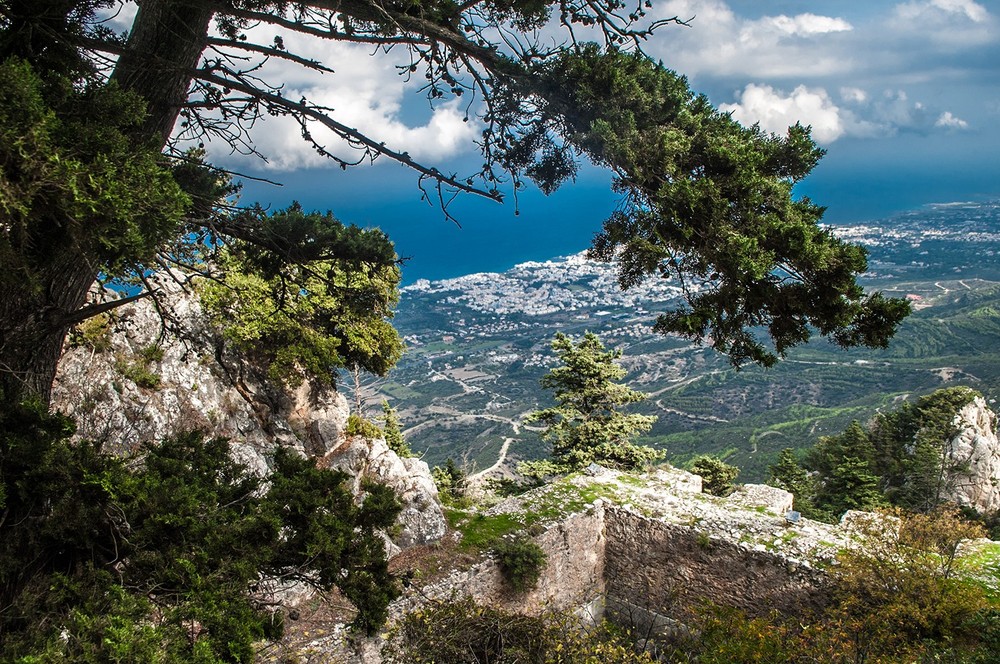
[
  {"x": 393, "y": 434},
  {"x": 104, "y": 559},
  {"x": 587, "y": 425},
  {"x": 848, "y": 478}
]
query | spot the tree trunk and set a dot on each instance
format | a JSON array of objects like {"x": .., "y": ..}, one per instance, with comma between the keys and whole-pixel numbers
[
  {"x": 163, "y": 49},
  {"x": 33, "y": 325}
]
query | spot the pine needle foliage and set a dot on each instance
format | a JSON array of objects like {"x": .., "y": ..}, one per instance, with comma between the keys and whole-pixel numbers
[
  {"x": 521, "y": 562},
  {"x": 166, "y": 557},
  {"x": 393, "y": 433},
  {"x": 587, "y": 424}
]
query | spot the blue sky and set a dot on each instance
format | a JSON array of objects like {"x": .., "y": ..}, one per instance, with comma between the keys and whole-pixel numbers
[{"x": 904, "y": 95}]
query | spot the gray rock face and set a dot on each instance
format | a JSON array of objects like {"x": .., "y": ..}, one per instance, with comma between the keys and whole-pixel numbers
[
  {"x": 319, "y": 418},
  {"x": 152, "y": 379},
  {"x": 421, "y": 520},
  {"x": 975, "y": 452}
]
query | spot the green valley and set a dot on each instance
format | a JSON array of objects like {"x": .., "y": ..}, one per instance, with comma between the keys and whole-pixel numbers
[{"x": 477, "y": 346}]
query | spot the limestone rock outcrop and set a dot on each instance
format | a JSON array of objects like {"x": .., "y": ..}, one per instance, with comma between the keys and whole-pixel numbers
[
  {"x": 421, "y": 521},
  {"x": 974, "y": 457},
  {"x": 143, "y": 376}
]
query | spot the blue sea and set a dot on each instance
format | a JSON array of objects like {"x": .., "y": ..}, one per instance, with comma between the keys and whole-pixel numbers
[{"x": 853, "y": 185}]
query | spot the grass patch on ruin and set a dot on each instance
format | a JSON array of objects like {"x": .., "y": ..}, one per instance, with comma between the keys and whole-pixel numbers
[
  {"x": 481, "y": 531},
  {"x": 556, "y": 502},
  {"x": 564, "y": 497}
]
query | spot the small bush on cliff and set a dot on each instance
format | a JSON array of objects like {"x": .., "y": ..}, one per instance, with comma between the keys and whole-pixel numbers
[
  {"x": 359, "y": 426},
  {"x": 93, "y": 548},
  {"x": 451, "y": 482},
  {"x": 521, "y": 562},
  {"x": 392, "y": 432},
  {"x": 716, "y": 475},
  {"x": 137, "y": 368},
  {"x": 93, "y": 333},
  {"x": 459, "y": 631}
]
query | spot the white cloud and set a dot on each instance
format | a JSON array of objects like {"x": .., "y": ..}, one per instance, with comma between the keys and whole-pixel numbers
[
  {"x": 922, "y": 9},
  {"x": 949, "y": 121},
  {"x": 365, "y": 93},
  {"x": 888, "y": 115},
  {"x": 956, "y": 25},
  {"x": 835, "y": 40},
  {"x": 775, "y": 111},
  {"x": 853, "y": 95},
  {"x": 721, "y": 43},
  {"x": 803, "y": 25},
  {"x": 894, "y": 112}
]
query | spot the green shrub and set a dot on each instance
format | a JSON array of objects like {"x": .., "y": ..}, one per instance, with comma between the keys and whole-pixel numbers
[
  {"x": 137, "y": 368},
  {"x": 151, "y": 353},
  {"x": 521, "y": 562},
  {"x": 94, "y": 333},
  {"x": 107, "y": 560},
  {"x": 716, "y": 475},
  {"x": 392, "y": 432},
  {"x": 138, "y": 372},
  {"x": 359, "y": 426},
  {"x": 459, "y": 631},
  {"x": 451, "y": 482}
]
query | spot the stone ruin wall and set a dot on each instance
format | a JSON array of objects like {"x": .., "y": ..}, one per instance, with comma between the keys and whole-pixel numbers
[
  {"x": 573, "y": 576},
  {"x": 655, "y": 571},
  {"x": 635, "y": 570},
  {"x": 573, "y": 580},
  {"x": 623, "y": 557}
]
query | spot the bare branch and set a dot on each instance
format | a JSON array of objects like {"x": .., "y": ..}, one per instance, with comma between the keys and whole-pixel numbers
[
  {"x": 330, "y": 34},
  {"x": 349, "y": 133},
  {"x": 92, "y": 310},
  {"x": 271, "y": 52}
]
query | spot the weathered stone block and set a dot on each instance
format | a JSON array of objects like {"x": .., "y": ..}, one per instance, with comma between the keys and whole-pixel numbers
[{"x": 770, "y": 498}]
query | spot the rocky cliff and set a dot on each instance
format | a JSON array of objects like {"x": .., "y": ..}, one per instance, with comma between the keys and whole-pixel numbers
[
  {"x": 974, "y": 454},
  {"x": 149, "y": 371}
]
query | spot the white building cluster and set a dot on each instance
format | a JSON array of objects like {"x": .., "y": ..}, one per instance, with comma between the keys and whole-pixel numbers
[{"x": 568, "y": 284}]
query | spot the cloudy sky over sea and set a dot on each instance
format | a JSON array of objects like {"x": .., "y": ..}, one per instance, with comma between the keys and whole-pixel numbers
[{"x": 904, "y": 95}]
